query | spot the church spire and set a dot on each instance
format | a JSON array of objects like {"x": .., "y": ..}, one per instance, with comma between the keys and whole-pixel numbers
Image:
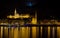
[{"x": 15, "y": 12}]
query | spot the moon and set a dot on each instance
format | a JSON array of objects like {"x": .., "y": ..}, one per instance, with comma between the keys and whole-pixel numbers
[{"x": 30, "y": 4}]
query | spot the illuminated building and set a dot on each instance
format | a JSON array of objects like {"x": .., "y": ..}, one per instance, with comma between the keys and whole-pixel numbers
[
  {"x": 34, "y": 19},
  {"x": 16, "y": 15},
  {"x": 22, "y": 16}
]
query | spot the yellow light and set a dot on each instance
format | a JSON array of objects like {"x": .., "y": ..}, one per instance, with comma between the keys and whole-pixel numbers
[
  {"x": 34, "y": 29},
  {"x": 24, "y": 16},
  {"x": 58, "y": 32},
  {"x": 34, "y": 21},
  {"x": 16, "y": 33},
  {"x": 16, "y": 16},
  {"x": 15, "y": 12},
  {"x": 48, "y": 32},
  {"x": 10, "y": 16}
]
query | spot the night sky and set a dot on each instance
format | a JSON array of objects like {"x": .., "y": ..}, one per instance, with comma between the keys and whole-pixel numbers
[{"x": 44, "y": 8}]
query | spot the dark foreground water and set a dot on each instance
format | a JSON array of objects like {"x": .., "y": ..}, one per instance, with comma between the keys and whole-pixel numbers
[{"x": 41, "y": 31}]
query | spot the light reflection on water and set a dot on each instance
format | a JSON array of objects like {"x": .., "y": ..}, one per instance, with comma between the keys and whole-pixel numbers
[
  {"x": 24, "y": 32},
  {"x": 58, "y": 32}
]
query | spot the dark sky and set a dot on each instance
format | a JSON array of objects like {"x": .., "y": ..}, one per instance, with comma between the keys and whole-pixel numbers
[{"x": 44, "y": 8}]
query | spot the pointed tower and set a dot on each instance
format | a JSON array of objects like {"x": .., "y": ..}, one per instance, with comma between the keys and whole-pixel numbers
[
  {"x": 34, "y": 19},
  {"x": 15, "y": 12}
]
